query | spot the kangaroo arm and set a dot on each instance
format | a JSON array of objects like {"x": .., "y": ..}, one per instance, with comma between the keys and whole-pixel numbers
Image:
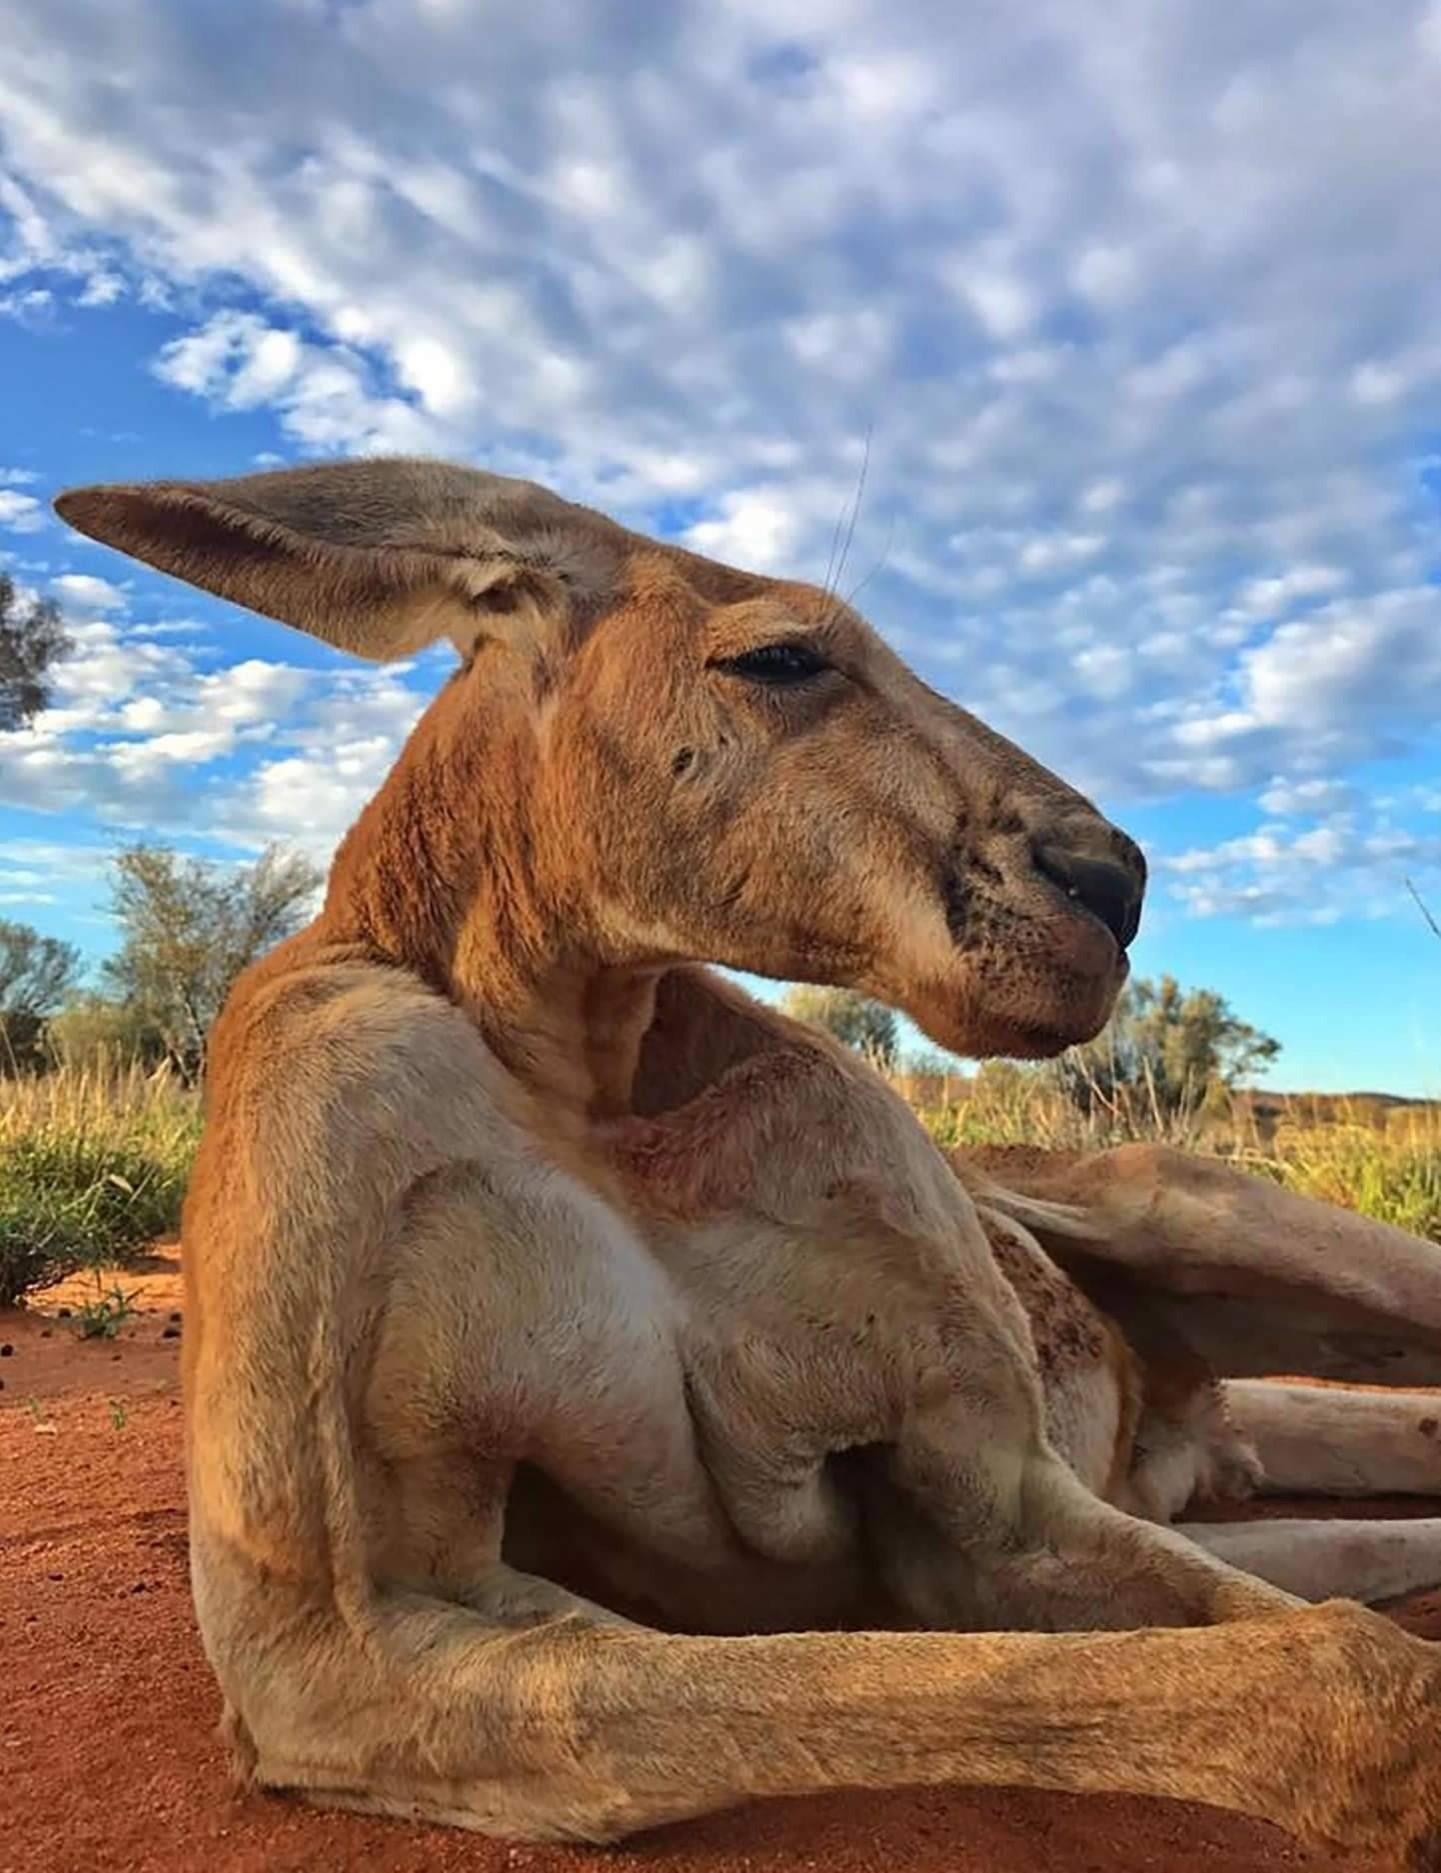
[
  {"x": 530, "y": 1713},
  {"x": 1255, "y": 1279}
]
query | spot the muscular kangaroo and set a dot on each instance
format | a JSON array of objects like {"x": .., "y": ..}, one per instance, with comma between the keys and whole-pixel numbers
[{"x": 511, "y": 1220}]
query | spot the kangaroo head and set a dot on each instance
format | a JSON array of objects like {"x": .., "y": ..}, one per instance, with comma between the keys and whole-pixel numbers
[{"x": 669, "y": 759}]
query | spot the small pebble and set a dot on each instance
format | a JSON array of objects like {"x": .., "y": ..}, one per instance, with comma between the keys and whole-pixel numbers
[{"x": 6, "y": 1350}]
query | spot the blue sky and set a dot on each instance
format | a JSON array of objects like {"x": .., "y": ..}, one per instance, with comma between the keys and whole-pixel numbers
[{"x": 1138, "y": 308}]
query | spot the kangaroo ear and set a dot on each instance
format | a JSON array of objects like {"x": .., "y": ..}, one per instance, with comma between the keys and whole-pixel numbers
[{"x": 378, "y": 557}]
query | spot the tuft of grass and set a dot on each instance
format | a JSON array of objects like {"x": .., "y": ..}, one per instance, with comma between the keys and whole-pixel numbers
[
  {"x": 102, "y": 1318},
  {"x": 93, "y": 1164}
]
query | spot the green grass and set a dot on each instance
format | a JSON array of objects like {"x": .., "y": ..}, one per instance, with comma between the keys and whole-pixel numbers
[{"x": 93, "y": 1166}]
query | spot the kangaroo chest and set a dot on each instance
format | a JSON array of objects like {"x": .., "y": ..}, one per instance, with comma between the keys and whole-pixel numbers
[{"x": 697, "y": 1410}]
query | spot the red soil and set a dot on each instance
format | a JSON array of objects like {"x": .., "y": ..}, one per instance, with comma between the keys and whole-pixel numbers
[{"x": 108, "y": 1759}]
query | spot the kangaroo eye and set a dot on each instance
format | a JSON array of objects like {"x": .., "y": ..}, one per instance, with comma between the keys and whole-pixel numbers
[{"x": 775, "y": 664}]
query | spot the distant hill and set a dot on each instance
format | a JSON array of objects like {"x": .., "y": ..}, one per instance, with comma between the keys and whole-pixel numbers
[
  {"x": 1328, "y": 1108},
  {"x": 1256, "y": 1109}
]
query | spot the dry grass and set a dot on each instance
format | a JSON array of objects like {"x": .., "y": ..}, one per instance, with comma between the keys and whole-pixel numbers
[
  {"x": 1384, "y": 1162},
  {"x": 93, "y": 1160},
  {"x": 1392, "y": 1173}
]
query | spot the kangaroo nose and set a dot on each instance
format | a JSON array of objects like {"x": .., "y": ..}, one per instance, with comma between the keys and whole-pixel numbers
[{"x": 1108, "y": 888}]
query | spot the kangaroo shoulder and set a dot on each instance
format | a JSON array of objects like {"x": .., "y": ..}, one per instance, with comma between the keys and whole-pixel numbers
[{"x": 335, "y": 1079}]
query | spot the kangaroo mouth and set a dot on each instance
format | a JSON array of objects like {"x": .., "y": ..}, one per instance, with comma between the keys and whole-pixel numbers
[{"x": 1038, "y": 966}]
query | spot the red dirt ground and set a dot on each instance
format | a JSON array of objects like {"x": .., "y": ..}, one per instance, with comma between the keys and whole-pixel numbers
[{"x": 108, "y": 1760}]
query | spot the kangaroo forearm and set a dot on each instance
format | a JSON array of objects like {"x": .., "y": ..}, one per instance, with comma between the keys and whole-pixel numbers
[{"x": 683, "y": 1725}]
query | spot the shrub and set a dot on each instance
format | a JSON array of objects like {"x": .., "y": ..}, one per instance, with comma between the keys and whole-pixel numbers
[
  {"x": 70, "y": 1202},
  {"x": 92, "y": 1168}
]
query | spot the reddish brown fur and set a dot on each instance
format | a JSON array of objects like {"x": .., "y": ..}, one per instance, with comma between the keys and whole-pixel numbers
[{"x": 493, "y": 1178}]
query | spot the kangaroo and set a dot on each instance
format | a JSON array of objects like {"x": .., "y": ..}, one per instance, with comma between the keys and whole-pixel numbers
[{"x": 522, "y": 1247}]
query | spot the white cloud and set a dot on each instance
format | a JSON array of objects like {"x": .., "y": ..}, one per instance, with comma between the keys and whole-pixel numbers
[
  {"x": 1377, "y": 383},
  {"x": 20, "y": 513},
  {"x": 1141, "y": 320},
  {"x": 1345, "y": 866},
  {"x": 1052, "y": 552},
  {"x": 102, "y": 288},
  {"x": 83, "y": 592},
  {"x": 150, "y": 741},
  {"x": 336, "y": 755},
  {"x": 1002, "y": 302},
  {"x": 36, "y": 873},
  {"x": 1102, "y": 496},
  {"x": 756, "y": 527},
  {"x": 1268, "y": 598},
  {"x": 1353, "y": 670},
  {"x": 1105, "y": 273},
  {"x": 240, "y": 361},
  {"x": 1287, "y": 798}
]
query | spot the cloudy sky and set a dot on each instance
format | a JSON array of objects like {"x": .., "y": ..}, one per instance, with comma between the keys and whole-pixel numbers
[{"x": 1139, "y": 308}]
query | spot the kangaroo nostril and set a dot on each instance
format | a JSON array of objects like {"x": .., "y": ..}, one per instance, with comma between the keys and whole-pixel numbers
[{"x": 1101, "y": 886}]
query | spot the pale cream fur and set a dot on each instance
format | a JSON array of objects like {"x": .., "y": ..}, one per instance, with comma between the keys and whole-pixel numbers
[{"x": 565, "y": 1329}]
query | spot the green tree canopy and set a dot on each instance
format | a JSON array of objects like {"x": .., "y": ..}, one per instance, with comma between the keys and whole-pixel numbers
[
  {"x": 32, "y": 640},
  {"x": 868, "y": 1026},
  {"x": 1168, "y": 1045},
  {"x": 36, "y": 974},
  {"x": 188, "y": 928}
]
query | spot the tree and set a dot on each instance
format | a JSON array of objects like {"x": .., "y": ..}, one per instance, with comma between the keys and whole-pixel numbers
[
  {"x": 189, "y": 926},
  {"x": 30, "y": 642},
  {"x": 36, "y": 974},
  {"x": 1172, "y": 1047},
  {"x": 868, "y": 1026}
]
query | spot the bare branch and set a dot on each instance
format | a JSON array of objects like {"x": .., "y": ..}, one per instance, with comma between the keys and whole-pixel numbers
[{"x": 1424, "y": 910}]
